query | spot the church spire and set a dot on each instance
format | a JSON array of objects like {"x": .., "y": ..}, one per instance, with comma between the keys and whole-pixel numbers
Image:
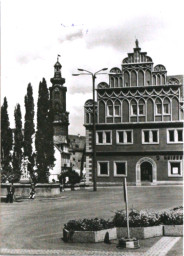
[{"x": 57, "y": 79}]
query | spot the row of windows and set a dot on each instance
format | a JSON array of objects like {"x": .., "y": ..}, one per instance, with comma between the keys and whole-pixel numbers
[
  {"x": 140, "y": 78},
  {"x": 120, "y": 168},
  {"x": 149, "y": 136},
  {"x": 138, "y": 109}
]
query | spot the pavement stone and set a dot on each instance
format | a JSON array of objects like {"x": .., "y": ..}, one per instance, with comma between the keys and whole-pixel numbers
[{"x": 160, "y": 248}]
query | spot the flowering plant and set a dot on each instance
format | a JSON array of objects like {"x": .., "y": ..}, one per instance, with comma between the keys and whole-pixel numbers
[
  {"x": 172, "y": 217},
  {"x": 88, "y": 224},
  {"x": 136, "y": 219}
]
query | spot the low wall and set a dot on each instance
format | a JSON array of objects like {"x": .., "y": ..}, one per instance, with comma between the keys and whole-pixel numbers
[{"x": 23, "y": 190}]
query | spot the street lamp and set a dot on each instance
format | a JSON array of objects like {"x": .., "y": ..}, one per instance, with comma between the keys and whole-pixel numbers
[{"x": 94, "y": 121}]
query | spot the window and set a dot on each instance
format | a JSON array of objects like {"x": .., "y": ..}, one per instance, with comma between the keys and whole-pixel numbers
[
  {"x": 180, "y": 135},
  {"x": 87, "y": 118},
  {"x": 110, "y": 110},
  {"x": 120, "y": 168},
  {"x": 166, "y": 108},
  {"x": 175, "y": 168},
  {"x": 133, "y": 109},
  {"x": 113, "y": 109},
  {"x": 117, "y": 110},
  {"x": 141, "y": 109},
  {"x": 150, "y": 136},
  {"x": 99, "y": 137},
  {"x": 175, "y": 135},
  {"x": 124, "y": 137},
  {"x": 107, "y": 137},
  {"x": 171, "y": 136},
  {"x": 103, "y": 168},
  {"x": 158, "y": 108},
  {"x": 104, "y": 137}
]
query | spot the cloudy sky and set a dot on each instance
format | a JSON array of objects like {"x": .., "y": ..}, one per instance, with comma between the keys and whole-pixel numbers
[{"x": 87, "y": 34}]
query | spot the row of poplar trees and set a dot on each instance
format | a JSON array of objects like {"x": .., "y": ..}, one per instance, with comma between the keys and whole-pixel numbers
[{"x": 22, "y": 143}]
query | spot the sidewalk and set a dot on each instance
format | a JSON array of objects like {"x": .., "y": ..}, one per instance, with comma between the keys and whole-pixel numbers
[{"x": 149, "y": 247}]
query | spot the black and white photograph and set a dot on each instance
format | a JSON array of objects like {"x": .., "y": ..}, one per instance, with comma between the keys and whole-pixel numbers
[{"x": 92, "y": 112}]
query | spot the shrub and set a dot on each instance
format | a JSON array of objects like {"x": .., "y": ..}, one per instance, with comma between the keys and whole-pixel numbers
[
  {"x": 73, "y": 176},
  {"x": 136, "y": 219},
  {"x": 172, "y": 217},
  {"x": 88, "y": 224}
]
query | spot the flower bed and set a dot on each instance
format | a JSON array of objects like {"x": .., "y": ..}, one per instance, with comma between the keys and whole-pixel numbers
[
  {"x": 142, "y": 224},
  {"x": 173, "y": 222},
  {"x": 88, "y": 230},
  {"x": 172, "y": 217},
  {"x": 137, "y": 219}
]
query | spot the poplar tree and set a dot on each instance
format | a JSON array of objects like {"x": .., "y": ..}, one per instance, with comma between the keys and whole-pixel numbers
[
  {"x": 6, "y": 142},
  {"x": 29, "y": 129},
  {"x": 18, "y": 143},
  {"x": 44, "y": 134}
]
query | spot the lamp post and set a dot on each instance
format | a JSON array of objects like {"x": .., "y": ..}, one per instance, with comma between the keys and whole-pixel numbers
[{"x": 94, "y": 121}]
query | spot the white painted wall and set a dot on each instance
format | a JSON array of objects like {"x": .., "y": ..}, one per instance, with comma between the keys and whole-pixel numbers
[{"x": 57, "y": 168}]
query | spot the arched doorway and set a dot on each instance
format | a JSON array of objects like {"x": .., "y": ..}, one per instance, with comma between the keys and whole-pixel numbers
[
  {"x": 146, "y": 169},
  {"x": 146, "y": 172}
]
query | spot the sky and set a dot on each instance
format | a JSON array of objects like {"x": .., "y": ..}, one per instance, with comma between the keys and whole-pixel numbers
[{"x": 87, "y": 34}]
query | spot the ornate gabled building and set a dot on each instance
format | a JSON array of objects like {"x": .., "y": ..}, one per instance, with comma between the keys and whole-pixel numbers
[{"x": 139, "y": 124}]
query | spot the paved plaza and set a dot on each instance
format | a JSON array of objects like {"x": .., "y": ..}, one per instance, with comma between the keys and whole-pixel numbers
[{"x": 34, "y": 227}]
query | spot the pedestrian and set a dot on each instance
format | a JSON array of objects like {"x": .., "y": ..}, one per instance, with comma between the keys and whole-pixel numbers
[
  {"x": 32, "y": 192},
  {"x": 10, "y": 195}
]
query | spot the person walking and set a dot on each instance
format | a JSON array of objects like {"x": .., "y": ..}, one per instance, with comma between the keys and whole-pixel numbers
[{"x": 32, "y": 192}]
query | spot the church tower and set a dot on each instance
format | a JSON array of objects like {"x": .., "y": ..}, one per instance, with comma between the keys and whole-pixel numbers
[{"x": 58, "y": 101}]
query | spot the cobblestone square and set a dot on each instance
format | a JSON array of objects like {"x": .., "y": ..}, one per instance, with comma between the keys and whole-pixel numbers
[{"x": 35, "y": 226}]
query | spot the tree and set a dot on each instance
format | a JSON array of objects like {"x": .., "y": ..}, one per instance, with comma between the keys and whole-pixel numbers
[
  {"x": 44, "y": 134},
  {"x": 73, "y": 176},
  {"x": 6, "y": 142},
  {"x": 29, "y": 129},
  {"x": 18, "y": 143}
]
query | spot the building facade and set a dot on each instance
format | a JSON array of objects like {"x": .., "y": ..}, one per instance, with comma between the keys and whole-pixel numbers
[
  {"x": 77, "y": 153},
  {"x": 139, "y": 124}
]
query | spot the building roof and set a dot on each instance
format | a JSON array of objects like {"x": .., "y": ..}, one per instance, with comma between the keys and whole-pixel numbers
[{"x": 76, "y": 142}]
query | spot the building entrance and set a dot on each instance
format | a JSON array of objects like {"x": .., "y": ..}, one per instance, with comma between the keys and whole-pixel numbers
[{"x": 146, "y": 172}]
